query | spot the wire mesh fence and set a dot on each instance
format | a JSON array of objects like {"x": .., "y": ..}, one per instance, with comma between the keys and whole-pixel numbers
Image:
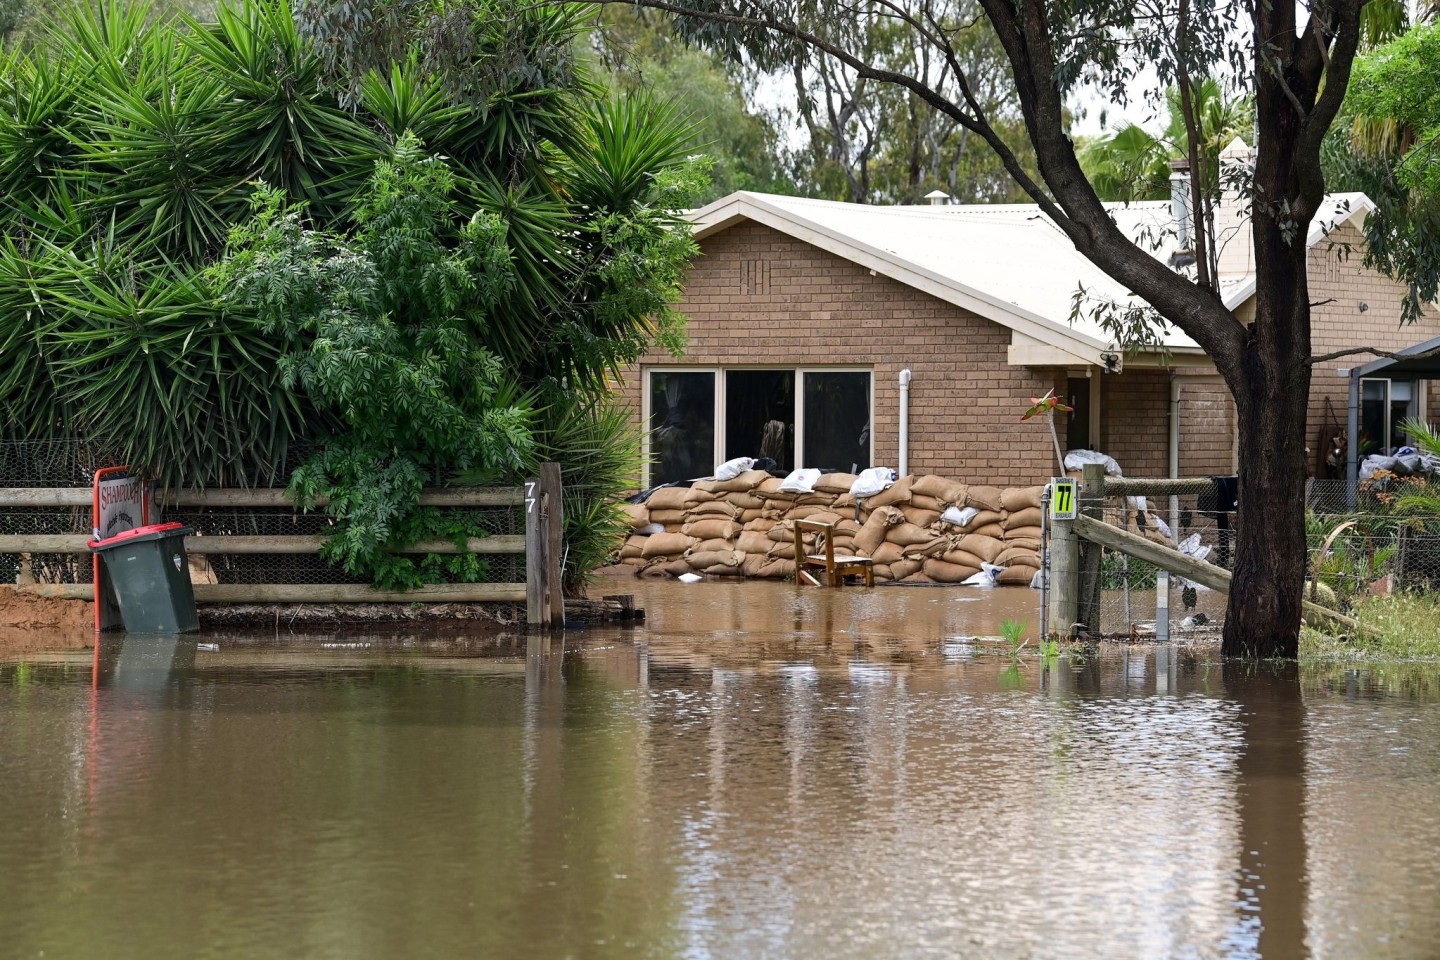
[{"x": 53, "y": 464}]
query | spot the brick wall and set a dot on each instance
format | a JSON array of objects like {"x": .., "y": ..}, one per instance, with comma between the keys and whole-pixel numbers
[
  {"x": 1135, "y": 421},
  {"x": 759, "y": 297},
  {"x": 1340, "y": 324},
  {"x": 1207, "y": 428}
]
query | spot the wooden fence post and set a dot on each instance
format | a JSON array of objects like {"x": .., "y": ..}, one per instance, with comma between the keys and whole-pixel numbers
[
  {"x": 554, "y": 517},
  {"x": 1092, "y": 504},
  {"x": 1064, "y": 576},
  {"x": 536, "y": 590}
]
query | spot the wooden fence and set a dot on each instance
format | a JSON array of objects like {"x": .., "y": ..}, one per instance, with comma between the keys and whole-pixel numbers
[{"x": 541, "y": 545}]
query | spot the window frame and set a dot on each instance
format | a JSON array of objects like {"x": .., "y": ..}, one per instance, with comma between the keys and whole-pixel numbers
[
  {"x": 1416, "y": 404},
  {"x": 719, "y": 370}
]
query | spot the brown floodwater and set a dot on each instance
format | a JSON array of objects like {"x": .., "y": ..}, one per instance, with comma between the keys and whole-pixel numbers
[{"x": 758, "y": 771}]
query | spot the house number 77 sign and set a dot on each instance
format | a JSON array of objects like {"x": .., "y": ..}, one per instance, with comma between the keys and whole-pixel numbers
[{"x": 1062, "y": 498}]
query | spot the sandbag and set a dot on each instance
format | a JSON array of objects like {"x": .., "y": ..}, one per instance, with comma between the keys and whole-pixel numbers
[
  {"x": 782, "y": 532},
  {"x": 801, "y": 480},
  {"x": 724, "y": 570},
  {"x": 768, "y": 485},
  {"x": 752, "y": 542},
  {"x": 632, "y": 547},
  {"x": 921, "y": 501},
  {"x": 1016, "y": 576},
  {"x": 1014, "y": 556},
  {"x": 958, "y": 516},
  {"x": 888, "y": 553},
  {"x": 1022, "y": 533},
  {"x": 1016, "y": 499},
  {"x": 920, "y": 518},
  {"x": 934, "y": 548},
  {"x": 635, "y": 561},
  {"x": 962, "y": 558},
  {"x": 657, "y": 571},
  {"x": 989, "y": 530},
  {"x": 918, "y": 577},
  {"x": 715, "y": 558},
  {"x": 1029, "y": 517},
  {"x": 713, "y": 508},
  {"x": 740, "y": 483},
  {"x": 907, "y": 534},
  {"x": 782, "y": 551},
  {"x": 1024, "y": 543},
  {"x": 676, "y": 498},
  {"x": 836, "y": 483},
  {"x": 815, "y": 514},
  {"x": 893, "y": 495},
  {"x": 707, "y": 546},
  {"x": 667, "y": 517},
  {"x": 845, "y": 526},
  {"x": 942, "y": 572},
  {"x": 872, "y": 533},
  {"x": 845, "y": 501},
  {"x": 986, "y": 498},
  {"x": 754, "y": 563},
  {"x": 761, "y": 524},
  {"x": 750, "y": 516},
  {"x": 637, "y": 514},
  {"x": 986, "y": 548},
  {"x": 901, "y": 569},
  {"x": 941, "y": 488},
  {"x": 984, "y": 519},
  {"x": 744, "y": 501},
  {"x": 711, "y": 528},
  {"x": 667, "y": 545},
  {"x": 881, "y": 571},
  {"x": 778, "y": 569}
]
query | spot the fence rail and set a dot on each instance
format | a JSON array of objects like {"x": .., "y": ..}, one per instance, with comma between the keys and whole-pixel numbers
[{"x": 43, "y": 531}]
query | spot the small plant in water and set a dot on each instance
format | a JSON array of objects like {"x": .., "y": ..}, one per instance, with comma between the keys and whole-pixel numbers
[
  {"x": 1049, "y": 650},
  {"x": 1013, "y": 631}
]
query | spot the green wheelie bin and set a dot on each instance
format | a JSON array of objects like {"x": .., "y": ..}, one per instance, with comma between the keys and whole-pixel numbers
[{"x": 150, "y": 575}]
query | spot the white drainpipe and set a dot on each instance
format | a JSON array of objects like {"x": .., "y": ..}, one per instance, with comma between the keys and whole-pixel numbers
[
  {"x": 1175, "y": 387},
  {"x": 905, "y": 376}
]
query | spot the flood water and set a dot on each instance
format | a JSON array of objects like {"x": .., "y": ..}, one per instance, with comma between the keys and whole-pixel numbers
[{"x": 759, "y": 771}]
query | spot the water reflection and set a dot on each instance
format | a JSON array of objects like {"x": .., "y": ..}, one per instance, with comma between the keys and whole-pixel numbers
[{"x": 867, "y": 791}]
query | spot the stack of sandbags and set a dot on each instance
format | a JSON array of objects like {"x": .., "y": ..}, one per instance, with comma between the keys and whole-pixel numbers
[
  {"x": 1022, "y": 526},
  {"x": 920, "y": 528}
]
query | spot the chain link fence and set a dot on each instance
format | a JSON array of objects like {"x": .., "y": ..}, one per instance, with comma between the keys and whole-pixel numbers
[
  {"x": 54, "y": 464},
  {"x": 1354, "y": 555}
]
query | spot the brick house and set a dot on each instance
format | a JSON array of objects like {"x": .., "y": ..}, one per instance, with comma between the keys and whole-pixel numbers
[{"x": 844, "y": 336}]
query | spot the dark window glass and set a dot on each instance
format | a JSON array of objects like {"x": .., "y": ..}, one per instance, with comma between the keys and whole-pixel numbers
[
  {"x": 760, "y": 415},
  {"x": 682, "y": 426},
  {"x": 1374, "y": 428},
  {"x": 837, "y": 421}
]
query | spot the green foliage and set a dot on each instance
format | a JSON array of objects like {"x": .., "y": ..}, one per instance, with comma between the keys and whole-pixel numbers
[
  {"x": 1013, "y": 632},
  {"x": 387, "y": 324},
  {"x": 1385, "y": 146},
  {"x": 404, "y": 317},
  {"x": 1134, "y": 164}
]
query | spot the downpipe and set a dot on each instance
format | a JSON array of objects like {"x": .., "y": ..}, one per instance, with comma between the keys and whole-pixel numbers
[{"x": 904, "y": 464}]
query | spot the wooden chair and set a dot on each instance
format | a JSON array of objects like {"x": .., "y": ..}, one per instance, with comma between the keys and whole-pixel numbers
[{"x": 836, "y": 568}]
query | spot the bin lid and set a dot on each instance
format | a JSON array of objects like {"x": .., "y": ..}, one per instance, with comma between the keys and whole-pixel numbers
[{"x": 124, "y": 535}]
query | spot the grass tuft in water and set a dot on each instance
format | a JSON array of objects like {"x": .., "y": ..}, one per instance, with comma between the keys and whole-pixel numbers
[{"x": 1403, "y": 627}]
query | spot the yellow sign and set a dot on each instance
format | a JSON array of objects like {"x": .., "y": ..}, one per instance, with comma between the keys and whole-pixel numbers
[{"x": 1062, "y": 499}]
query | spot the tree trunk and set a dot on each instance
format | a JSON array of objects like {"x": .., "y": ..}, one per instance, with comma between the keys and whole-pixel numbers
[{"x": 1272, "y": 391}]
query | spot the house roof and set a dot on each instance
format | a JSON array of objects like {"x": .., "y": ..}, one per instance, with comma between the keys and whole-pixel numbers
[
  {"x": 1418, "y": 360},
  {"x": 1006, "y": 262}
]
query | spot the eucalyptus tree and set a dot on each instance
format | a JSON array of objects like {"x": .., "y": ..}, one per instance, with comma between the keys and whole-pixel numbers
[{"x": 1296, "y": 64}]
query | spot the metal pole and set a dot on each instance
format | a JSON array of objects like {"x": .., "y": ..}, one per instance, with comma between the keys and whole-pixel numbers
[
  {"x": 1045, "y": 562},
  {"x": 1162, "y": 607}
]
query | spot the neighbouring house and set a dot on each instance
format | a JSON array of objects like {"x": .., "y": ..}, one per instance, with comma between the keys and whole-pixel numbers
[{"x": 843, "y": 336}]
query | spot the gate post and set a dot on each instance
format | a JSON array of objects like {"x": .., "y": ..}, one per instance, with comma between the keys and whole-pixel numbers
[
  {"x": 536, "y": 589},
  {"x": 1092, "y": 504},
  {"x": 1064, "y": 566}
]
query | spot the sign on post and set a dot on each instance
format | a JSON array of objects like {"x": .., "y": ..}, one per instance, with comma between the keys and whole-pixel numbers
[
  {"x": 121, "y": 502},
  {"x": 1062, "y": 498}
]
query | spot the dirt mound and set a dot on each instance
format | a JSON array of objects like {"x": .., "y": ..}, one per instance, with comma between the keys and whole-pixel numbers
[{"x": 19, "y": 610}]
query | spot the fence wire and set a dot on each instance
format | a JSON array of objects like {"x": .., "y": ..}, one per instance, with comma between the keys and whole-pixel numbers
[{"x": 57, "y": 464}]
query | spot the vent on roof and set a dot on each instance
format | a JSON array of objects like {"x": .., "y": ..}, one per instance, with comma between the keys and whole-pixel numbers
[
  {"x": 937, "y": 198},
  {"x": 754, "y": 277}
]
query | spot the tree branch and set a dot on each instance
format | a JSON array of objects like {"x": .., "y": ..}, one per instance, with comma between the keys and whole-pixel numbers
[{"x": 1386, "y": 354}]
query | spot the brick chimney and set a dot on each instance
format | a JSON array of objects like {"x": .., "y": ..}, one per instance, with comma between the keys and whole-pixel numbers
[{"x": 1232, "y": 217}]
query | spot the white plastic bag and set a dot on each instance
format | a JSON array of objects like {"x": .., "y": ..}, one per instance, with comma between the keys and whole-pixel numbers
[
  {"x": 731, "y": 469},
  {"x": 988, "y": 576},
  {"x": 872, "y": 481},
  {"x": 961, "y": 518},
  {"x": 1076, "y": 459},
  {"x": 801, "y": 481}
]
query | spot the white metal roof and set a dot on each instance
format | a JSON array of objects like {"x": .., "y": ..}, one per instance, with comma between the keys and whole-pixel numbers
[{"x": 1006, "y": 262}]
